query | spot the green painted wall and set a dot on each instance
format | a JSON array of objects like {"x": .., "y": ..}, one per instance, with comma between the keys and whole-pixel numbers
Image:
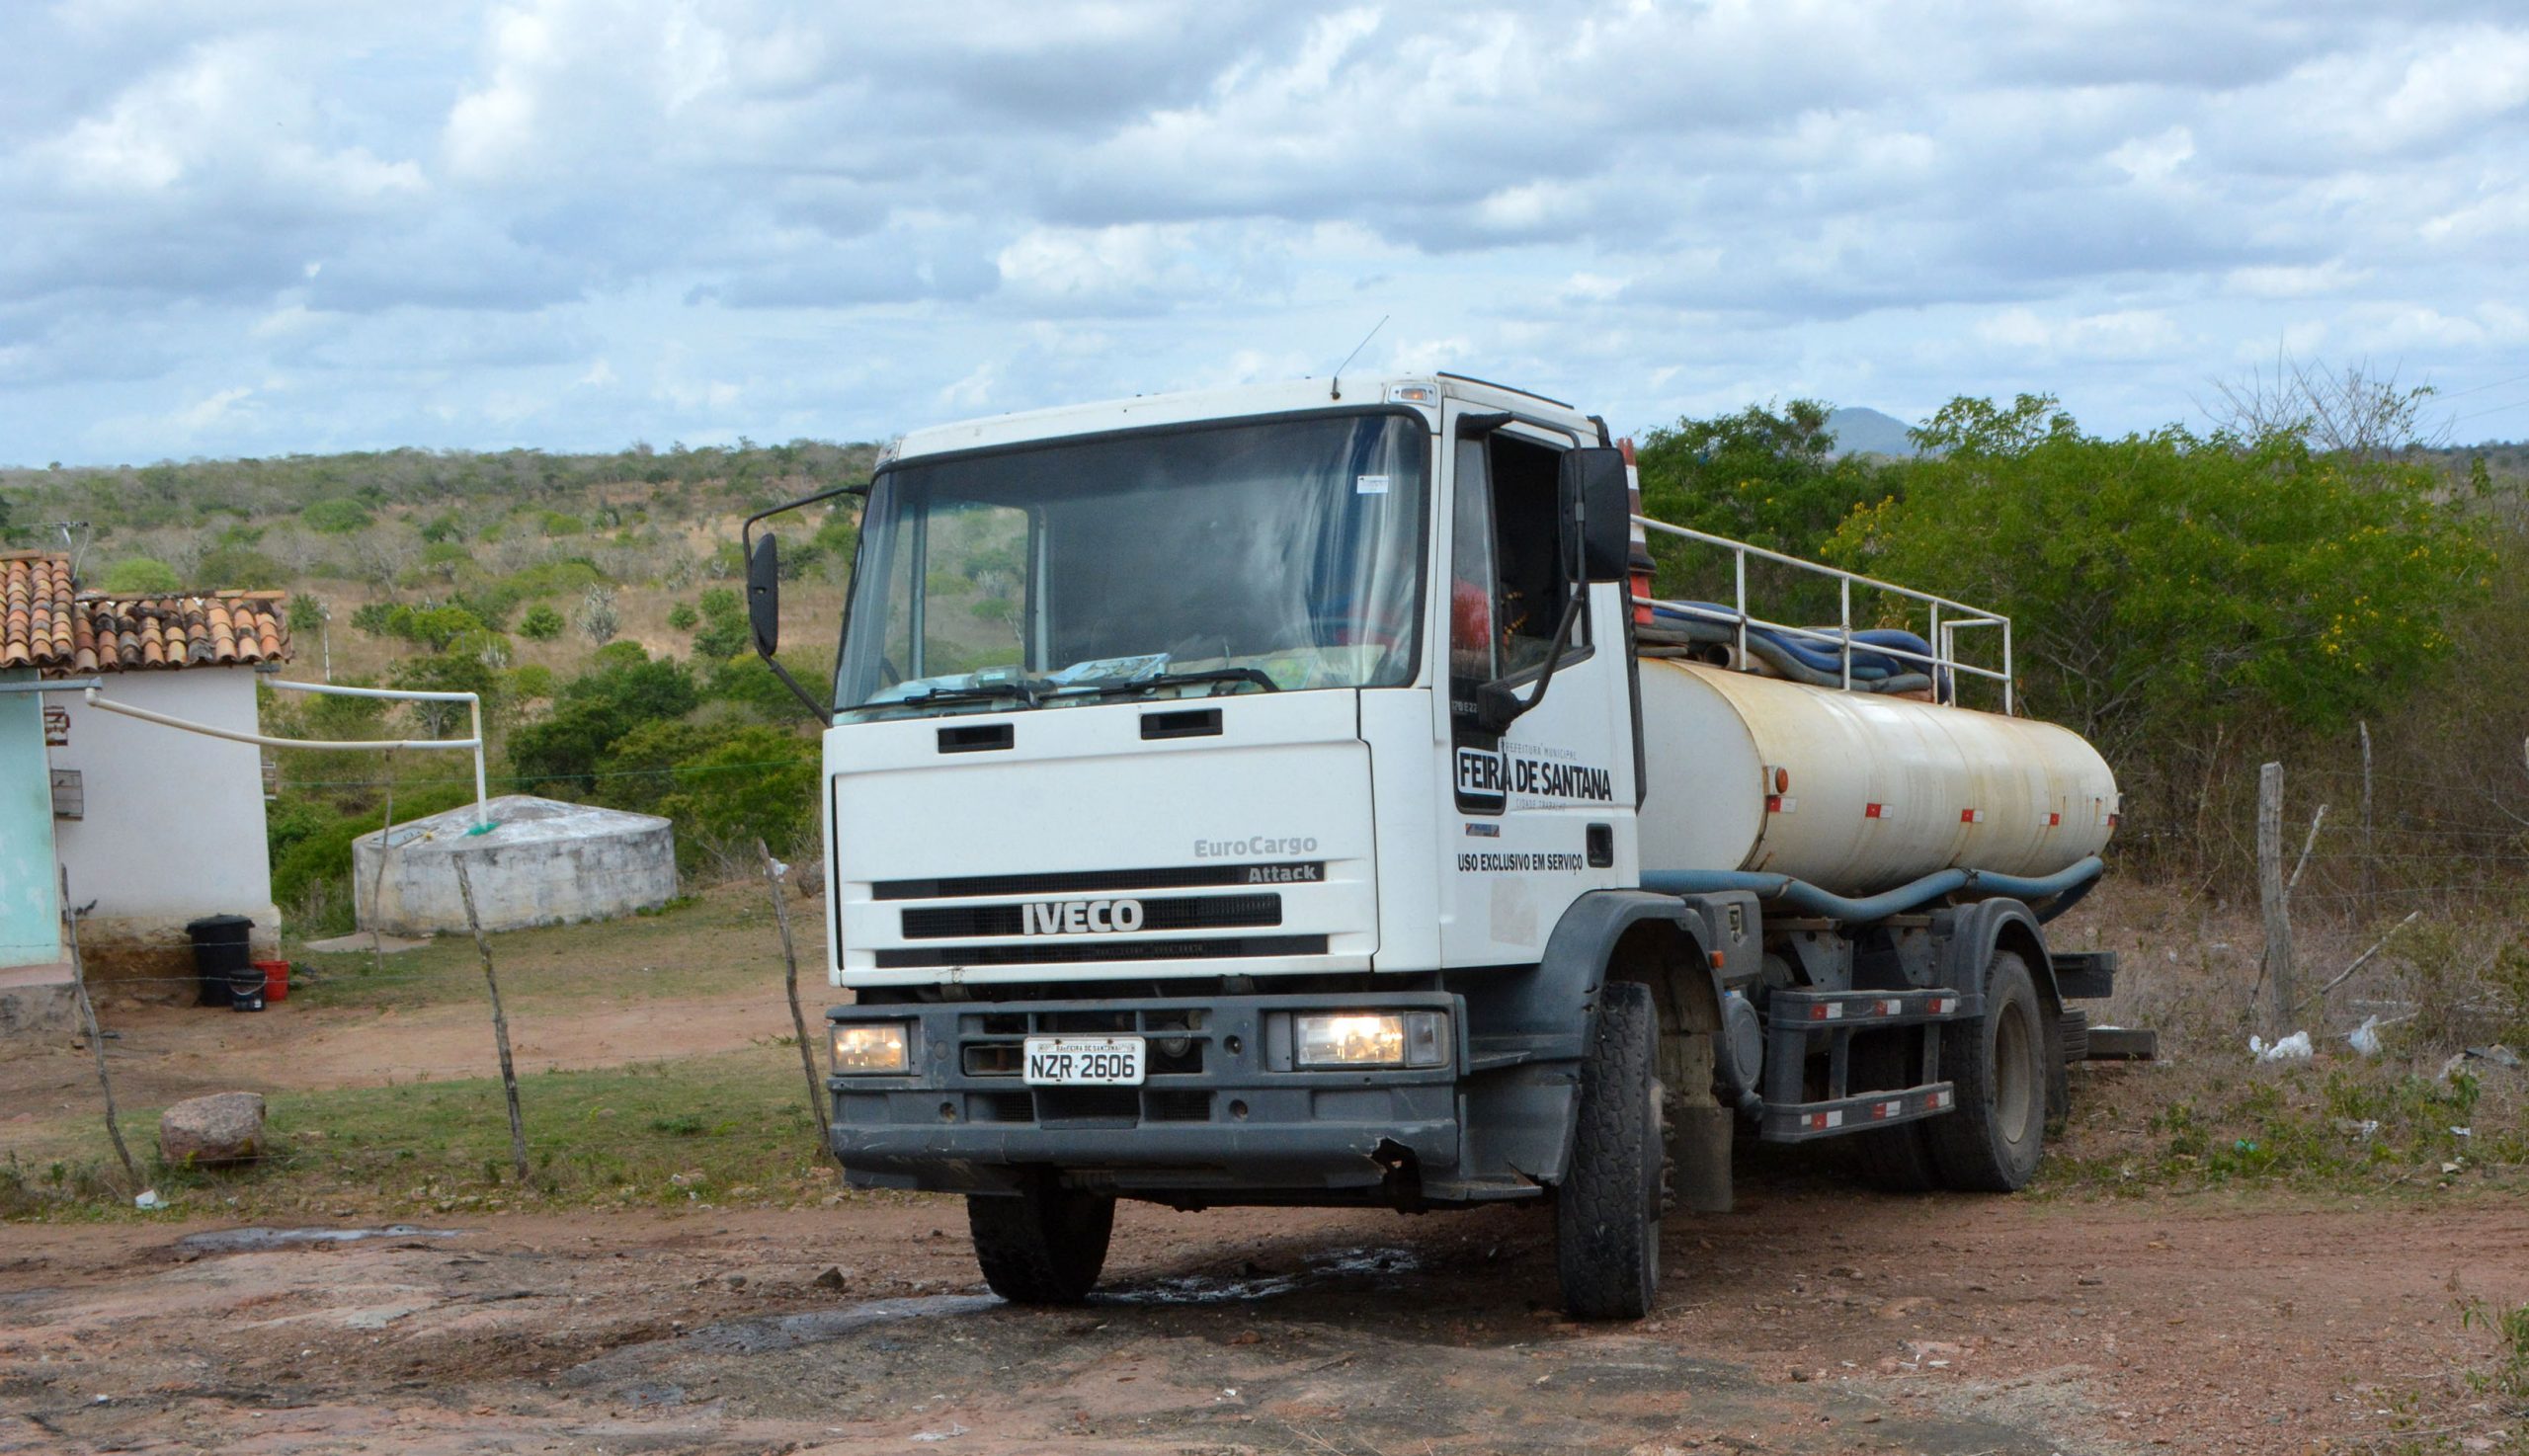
[{"x": 30, "y": 898}]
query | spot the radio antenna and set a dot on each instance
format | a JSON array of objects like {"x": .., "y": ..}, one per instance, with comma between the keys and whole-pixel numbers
[{"x": 1334, "y": 389}]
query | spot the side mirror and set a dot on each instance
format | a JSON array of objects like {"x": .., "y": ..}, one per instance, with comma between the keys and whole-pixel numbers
[
  {"x": 763, "y": 595},
  {"x": 1598, "y": 510}
]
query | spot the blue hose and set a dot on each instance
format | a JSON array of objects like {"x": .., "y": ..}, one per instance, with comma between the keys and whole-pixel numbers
[{"x": 1808, "y": 899}]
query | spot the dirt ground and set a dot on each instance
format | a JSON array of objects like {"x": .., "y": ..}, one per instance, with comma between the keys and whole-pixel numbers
[
  {"x": 1817, "y": 1318},
  {"x": 1946, "y": 1324}
]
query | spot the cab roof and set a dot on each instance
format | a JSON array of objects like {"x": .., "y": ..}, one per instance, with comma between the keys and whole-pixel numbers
[{"x": 1422, "y": 393}]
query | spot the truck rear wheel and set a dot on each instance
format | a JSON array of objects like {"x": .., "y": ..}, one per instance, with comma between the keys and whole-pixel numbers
[
  {"x": 1043, "y": 1245},
  {"x": 1897, "y": 1159},
  {"x": 1607, "y": 1213},
  {"x": 1999, "y": 1064}
]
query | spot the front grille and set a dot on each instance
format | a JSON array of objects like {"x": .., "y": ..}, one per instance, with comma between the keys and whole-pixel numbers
[
  {"x": 1100, "y": 882},
  {"x": 1187, "y": 913},
  {"x": 1102, "y": 1104},
  {"x": 1066, "y": 949}
]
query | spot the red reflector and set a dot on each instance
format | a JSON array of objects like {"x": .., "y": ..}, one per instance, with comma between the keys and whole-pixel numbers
[
  {"x": 2112, "y": 819},
  {"x": 1871, "y": 811},
  {"x": 1716, "y": 960},
  {"x": 2053, "y": 820},
  {"x": 1971, "y": 816},
  {"x": 1773, "y": 803}
]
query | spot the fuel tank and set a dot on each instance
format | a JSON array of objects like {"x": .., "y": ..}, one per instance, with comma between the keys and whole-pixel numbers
[{"x": 1856, "y": 792}]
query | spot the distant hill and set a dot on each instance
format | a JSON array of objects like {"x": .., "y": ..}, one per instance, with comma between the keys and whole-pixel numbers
[{"x": 1860, "y": 430}]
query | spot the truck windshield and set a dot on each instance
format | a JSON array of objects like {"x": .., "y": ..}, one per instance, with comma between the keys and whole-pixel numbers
[{"x": 1231, "y": 558}]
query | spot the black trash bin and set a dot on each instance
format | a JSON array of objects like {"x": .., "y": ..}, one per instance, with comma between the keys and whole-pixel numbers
[{"x": 223, "y": 960}]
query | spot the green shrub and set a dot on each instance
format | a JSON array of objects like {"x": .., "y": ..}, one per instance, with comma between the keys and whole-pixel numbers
[
  {"x": 336, "y": 516},
  {"x": 756, "y": 783},
  {"x": 141, "y": 576},
  {"x": 531, "y": 680},
  {"x": 242, "y": 568},
  {"x": 312, "y": 860},
  {"x": 541, "y": 624},
  {"x": 682, "y": 617}
]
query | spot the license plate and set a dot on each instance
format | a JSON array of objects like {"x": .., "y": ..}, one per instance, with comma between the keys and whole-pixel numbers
[{"x": 1085, "y": 1061}]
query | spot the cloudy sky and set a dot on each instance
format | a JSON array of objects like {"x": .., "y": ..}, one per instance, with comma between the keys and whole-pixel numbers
[{"x": 258, "y": 226}]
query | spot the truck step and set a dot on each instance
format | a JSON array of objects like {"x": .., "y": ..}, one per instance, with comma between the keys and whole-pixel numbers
[
  {"x": 1820, "y": 1010},
  {"x": 1800, "y": 1122},
  {"x": 2085, "y": 975},
  {"x": 2123, "y": 1044}
]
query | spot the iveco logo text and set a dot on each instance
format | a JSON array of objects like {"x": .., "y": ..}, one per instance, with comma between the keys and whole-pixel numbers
[
  {"x": 1242, "y": 849},
  {"x": 1080, "y": 917}
]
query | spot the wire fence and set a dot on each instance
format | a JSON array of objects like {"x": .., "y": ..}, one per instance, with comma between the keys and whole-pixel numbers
[{"x": 737, "y": 1106}]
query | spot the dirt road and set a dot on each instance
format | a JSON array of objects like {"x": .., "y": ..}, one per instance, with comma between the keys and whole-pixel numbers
[{"x": 1940, "y": 1326}]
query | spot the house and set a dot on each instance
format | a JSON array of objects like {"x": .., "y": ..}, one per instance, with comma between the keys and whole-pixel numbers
[
  {"x": 155, "y": 826},
  {"x": 34, "y": 977}
]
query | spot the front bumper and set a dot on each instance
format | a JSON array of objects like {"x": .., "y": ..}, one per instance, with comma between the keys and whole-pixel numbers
[{"x": 1222, "y": 1113}]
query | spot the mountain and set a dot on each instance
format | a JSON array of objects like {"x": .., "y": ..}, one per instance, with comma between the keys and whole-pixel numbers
[{"x": 1860, "y": 430}]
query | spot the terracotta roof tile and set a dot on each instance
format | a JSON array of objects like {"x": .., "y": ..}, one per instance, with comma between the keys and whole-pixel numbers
[{"x": 45, "y": 623}]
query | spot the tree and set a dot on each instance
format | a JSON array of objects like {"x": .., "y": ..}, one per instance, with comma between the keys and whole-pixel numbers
[
  {"x": 336, "y": 516},
  {"x": 541, "y": 625},
  {"x": 141, "y": 576},
  {"x": 681, "y": 616},
  {"x": 756, "y": 783},
  {"x": 1765, "y": 475},
  {"x": 2354, "y": 411},
  {"x": 723, "y": 632},
  {"x": 597, "y": 618},
  {"x": 2162, "y": 585}
]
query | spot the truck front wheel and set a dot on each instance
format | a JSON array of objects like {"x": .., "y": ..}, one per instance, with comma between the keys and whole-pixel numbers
[
  {"x": 1998, "y": 1063},
  {"x": 1607, "y": 1213},
  {"x": 1043, "y": 1245}
]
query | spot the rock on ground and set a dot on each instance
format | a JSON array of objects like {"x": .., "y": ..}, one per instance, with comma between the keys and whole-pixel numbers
[{"x": 225, "y": 1127}]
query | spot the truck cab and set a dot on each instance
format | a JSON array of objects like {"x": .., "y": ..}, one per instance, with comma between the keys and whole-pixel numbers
[{"x": 1237, "y": 799}]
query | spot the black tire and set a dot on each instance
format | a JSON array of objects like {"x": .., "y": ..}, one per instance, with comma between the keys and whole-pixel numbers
[
  {"x": 1607, "y": 1213},
  {"x": 1999, "y": 1064},
  {"x": 1897, "y": 1159},
  {"x": 1043, "y": 1245}
]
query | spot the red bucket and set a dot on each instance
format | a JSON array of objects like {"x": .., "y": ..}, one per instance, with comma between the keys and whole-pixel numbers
[{"x": 276, "y": 979}]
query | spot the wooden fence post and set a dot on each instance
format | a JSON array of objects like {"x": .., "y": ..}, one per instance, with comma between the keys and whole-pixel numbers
[
  {"x": 2370, "y": 865},
  {"x": 791, "y": 984},
  {"x": 500, "y": 1024},
  {"x": 96, "y": 1036},
  {"x": 2271, "y": 894}
]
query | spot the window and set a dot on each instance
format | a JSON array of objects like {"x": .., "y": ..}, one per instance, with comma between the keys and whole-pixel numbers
[
  {"x": 1240, "y": 557},
  {"x": 1509, "y": 576}
]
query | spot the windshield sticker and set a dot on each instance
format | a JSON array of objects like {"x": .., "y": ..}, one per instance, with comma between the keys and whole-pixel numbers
[{"x": 1370, "y": 485}]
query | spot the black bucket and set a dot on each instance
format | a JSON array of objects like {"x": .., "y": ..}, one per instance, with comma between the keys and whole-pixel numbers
[{"x": 222, "y": 961}]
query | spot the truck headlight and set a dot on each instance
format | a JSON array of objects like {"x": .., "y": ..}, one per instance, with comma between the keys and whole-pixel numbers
[
  {"x": 869, "y": 1047},
  {"x": 1371, "y": 1039}
]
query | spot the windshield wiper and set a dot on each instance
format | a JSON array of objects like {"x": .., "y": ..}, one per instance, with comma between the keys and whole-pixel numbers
[
  {"x": 1172, "y": 679},
  {"x": 1030, "y": 690}
]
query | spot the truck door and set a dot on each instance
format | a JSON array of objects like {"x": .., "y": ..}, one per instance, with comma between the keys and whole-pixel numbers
[{"x": 1537, "y": 813}]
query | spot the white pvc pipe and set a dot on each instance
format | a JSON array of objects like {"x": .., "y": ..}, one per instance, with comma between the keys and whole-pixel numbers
[{"x": 483, "y": 814}]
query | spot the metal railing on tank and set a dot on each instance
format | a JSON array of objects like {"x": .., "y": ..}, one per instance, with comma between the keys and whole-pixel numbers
[{"x": 1947, "y": 618}]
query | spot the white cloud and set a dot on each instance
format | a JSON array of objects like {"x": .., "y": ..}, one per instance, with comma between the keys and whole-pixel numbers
[{"x": 440, "y": 222}]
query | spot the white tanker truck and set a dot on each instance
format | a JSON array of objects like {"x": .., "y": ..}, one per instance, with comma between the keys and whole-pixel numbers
[{"x": 1295, "y": 795}]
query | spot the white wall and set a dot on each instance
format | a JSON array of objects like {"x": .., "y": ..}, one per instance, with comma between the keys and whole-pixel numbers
[{"x": 174, "y": 827}]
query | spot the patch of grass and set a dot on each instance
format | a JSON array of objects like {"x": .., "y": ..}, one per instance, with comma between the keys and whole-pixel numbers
[
  {"x": 2352, "y": 1126},
  {"x": 700, "y": 945},
  {"x": 2506, "y": 1381},
  {"x": 728, "y": 1129}
]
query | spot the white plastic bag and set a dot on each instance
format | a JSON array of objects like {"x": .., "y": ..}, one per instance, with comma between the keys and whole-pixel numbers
[
  {"x": 2365, "y": 1038},
  {"x": 2293, "y": 1048}
]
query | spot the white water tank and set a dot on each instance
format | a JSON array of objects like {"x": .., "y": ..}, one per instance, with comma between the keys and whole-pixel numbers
[{"x": 1856, "y": 792}]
